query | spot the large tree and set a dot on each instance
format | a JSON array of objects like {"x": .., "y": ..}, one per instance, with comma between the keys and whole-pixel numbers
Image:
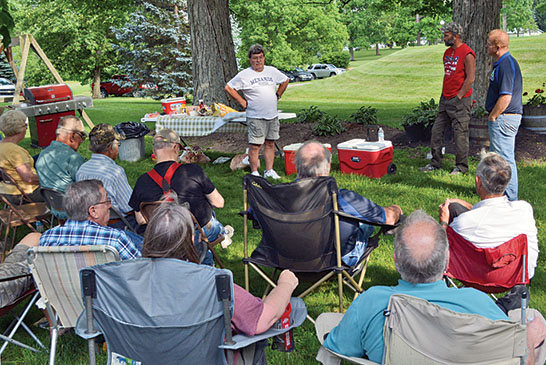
[
  {"x": 519, "y": 15},
  {"x": 478, "y": 18},
  {"x": 213, "y": 54},
  {"x": 6, "y": 23}
]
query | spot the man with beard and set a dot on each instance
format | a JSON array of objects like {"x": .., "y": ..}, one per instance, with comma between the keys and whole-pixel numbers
[{"x": 455, "y": 102}]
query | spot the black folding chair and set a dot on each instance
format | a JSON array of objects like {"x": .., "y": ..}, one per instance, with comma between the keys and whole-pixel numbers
[
  {"x": 54, "y": 200},
  {"x": 300, "y": 231}
]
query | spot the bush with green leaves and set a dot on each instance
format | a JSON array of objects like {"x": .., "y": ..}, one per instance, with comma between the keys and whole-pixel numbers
[
  {"x": 424, "y": 114},
  {"x": 328, "y": 125},
  {"x": 338, "y": 59},
  {"x": 310, "y": 115},
  {"x": 366, "y": 115}
]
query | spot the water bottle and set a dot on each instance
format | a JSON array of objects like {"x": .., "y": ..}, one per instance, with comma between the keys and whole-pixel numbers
[
  {"x": 380, "y": 135},
  {"x": 39, "y": 226}
]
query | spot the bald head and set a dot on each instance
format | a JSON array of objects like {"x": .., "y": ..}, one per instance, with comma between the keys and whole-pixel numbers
[
  {"x": 420, "y": 249},
  {"x": 70, "y": 131},
  {"x": 312, "y": 160},
  {"x": 499, "y": 38}
]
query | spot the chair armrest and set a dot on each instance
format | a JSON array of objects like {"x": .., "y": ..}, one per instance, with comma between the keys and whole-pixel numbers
[
  {"x": 10, "y": 278},
  {"x": 362, "y": 220}
]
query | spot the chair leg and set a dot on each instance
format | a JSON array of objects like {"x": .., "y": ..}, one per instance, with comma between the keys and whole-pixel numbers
[
  {"x": 54, "y": 335},
  {"x": 340, "y": 286},
  {"x": 362, "y": 275}
]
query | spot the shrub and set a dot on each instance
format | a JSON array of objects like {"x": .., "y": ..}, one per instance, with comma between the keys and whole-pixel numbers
[
  {"x": 366, "y": 115},
  {"x": 310, "y": 115},
  {"x": 328, "y": 125},
  {"x": 338, "y": 59},
  {"x": 424, "y": 114}
]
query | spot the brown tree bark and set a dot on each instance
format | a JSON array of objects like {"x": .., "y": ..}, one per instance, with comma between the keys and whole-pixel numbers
[
  {"x": 478, "y": 17},
  {"x": 96, "y": 83},
  {"x": 213, "y": 53}
]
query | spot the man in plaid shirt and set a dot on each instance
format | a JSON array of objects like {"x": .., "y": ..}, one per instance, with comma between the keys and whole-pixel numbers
[{"x": 88, "y": 209}]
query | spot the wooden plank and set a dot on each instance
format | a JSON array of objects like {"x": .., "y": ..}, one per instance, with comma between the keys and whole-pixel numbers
[
  {"x": 25, "y": 43},
  {"x": 44, "y": 58},
  {"x": 86, "y": 118}
]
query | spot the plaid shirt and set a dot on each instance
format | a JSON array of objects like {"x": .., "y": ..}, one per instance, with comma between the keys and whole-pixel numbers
[{"x": 87, "y": 233}]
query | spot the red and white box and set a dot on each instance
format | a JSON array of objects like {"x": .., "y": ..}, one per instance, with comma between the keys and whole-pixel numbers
[
  {"x": 290, "y": 156},
  {"x": 365, "y": 158},
  {"x": 174, "y": 105}
]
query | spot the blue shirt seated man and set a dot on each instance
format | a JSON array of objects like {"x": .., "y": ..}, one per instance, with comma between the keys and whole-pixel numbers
[
  {"x": 312, "y": 160},
  {"x": 88, "y": 209},
  {"x": 420, "y": 256}
]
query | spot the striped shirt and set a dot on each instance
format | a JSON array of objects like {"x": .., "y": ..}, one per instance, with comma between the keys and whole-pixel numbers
[
  {"x": 88, "y": 233},
  {"x": 113, "y": 177}
]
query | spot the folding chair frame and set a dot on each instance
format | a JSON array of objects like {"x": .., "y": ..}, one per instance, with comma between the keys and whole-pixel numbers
[
  {"x": 340, "y": 269},
  {"x": 54, "y": 201}
]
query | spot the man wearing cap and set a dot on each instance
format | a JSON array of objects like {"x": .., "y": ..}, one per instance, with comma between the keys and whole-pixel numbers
[
  {"x": 455, "y": 101},
  {"x": 259, "y": 86},
  {"x": 188, "y": 181},
  {"x": 58, "y": 163},
  {"x": 104, "y": 143},
  {"x": 503, "y": 102}
]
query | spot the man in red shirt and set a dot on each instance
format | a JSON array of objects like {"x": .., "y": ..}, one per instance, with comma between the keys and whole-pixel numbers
[{"x": 455, "y": 102}]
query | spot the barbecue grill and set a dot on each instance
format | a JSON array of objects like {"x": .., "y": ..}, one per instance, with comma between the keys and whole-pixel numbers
[{"x": 46, "y": 105}]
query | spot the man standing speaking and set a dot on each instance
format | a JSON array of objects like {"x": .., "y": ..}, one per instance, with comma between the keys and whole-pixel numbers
[
  {"x": 259, "y": 86},
  {"x": 455, "y": 102}
]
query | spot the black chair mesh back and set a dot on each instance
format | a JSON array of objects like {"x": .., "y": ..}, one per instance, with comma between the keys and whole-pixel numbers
[
  {"x": 297, "y": 223},
  {"x": 53, "y": 198}
]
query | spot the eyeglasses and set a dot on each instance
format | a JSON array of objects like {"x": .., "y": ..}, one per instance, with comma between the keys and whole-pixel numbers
[
  {"x": 107, "y": 201},
  {"x": 82, "y": 135}
]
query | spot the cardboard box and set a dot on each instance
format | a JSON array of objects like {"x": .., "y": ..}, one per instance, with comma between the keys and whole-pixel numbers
[
  {"x": 290, "y": 156},
  {"x": 365, "y": 158},
  {"x": 174, "y": 105}
]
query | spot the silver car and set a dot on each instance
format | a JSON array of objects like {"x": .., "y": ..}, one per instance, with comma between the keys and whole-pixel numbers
[
  {"x": 321, "y": 70},
  {"x": 7, "y": 88}
]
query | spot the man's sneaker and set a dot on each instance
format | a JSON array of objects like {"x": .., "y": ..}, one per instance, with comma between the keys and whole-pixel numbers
[
  {"x": 428, "y": 168},
  {"x": 255, "y": 173},
  {"x": 271, "y": 174},
  {"x": 228, "y": 233},
  {"x": 456, "y": 171},
  {"x": 512, "y": 300}
]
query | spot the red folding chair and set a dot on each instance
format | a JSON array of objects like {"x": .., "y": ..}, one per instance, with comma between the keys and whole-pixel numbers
[{"x": 491, "y": 270}]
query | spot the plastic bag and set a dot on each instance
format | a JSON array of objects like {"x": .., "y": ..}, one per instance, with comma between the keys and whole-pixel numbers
[
  {"x": 132, "y": 129},
  {"x": 193, "y": 154}
]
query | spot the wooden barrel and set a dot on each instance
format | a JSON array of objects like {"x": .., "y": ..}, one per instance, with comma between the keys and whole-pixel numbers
[
  {"x": 534, "y": 118},
  {"x": 478, "y": 131}
]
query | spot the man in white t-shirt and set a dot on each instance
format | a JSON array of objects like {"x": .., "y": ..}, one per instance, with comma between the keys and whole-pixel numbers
[
  {"x": 494, "y": 220},
  {"x": 258, "y": 84}
]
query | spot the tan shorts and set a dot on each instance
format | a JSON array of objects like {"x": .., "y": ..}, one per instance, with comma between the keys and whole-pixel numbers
[{"x": 261, "y": 129}]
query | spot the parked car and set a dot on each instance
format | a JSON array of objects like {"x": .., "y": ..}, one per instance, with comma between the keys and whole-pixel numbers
[
  {"x": 7, "y": 88},
  {"x": 289, "y": 75},
  {"x": 300, "y": 74},
  {"x": 321, "y": 70},
  {"x": 122, "y": 85},
  {"x": 339, "y": 68}
]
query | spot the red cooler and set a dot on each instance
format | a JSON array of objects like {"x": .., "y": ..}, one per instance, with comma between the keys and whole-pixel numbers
[
  {"x": 173, "y": 106},
  {"x": 290, "y": 156},
  {"x": 365, "y": 158}
]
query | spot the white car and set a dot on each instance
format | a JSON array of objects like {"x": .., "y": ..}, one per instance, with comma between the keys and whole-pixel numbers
[
  {"x": 321, "y": 70},
  {"x": 7, "y": 88}
]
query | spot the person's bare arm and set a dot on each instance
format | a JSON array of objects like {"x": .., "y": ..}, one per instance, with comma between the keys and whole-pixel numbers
[
  {"x": 31, "y": 239},
  {"x": 464, "y": 203},
  {"x": 536, "y": 333},
  {"x": 502, "y": 103},
  {"x": 26, "y": 174},
  {"x": 215, "y": 199},
  {"x": 392, "y": 214},
  {"x": 235, "y": 95},
  {"x": 470, "y": 75},
  {"x": 140, "y": 218},
  {"x": 282, "y": 88},
  {"x": 275, "y": 303}
]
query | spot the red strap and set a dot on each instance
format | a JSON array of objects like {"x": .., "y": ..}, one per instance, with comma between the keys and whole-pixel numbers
[{"x": 164, "y": 182}]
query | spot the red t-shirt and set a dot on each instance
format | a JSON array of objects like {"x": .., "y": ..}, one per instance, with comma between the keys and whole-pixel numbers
[{"x": 454, "y": 70}]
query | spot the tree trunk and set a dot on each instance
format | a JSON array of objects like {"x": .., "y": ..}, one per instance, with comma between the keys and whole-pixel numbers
[
  {"x": 96, "y": 83},
  {"x": 352, "y": 53},
  {"x": 417, "y": 19},
  {"x": 504, "y": 18},
  {"x": 213, "y": 54},
  {"x": 478, "y": 18},
  {"x": 377, "y": 49}
]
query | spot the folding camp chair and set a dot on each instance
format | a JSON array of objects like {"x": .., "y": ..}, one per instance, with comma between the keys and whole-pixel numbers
[
  {"x": 300, "y": 230},
  {"x": 54, "y": 200},
  {"x": 147, "y": 210},
  {"x": 170, "y": 312},
  {"x": 491, "y": 270},
  {"x": 419, "y": 332},
  {"x": 116, "y": 214},
  {"x": 55, "y": 271},
  {"x": 31, "y": 295}
]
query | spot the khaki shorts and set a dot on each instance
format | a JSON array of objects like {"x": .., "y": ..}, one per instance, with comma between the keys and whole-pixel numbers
[{"x": 261, "y": 129}]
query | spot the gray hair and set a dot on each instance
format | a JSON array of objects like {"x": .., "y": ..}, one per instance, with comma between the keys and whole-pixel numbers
[
  {"x": 13, "y": 122},
  {"x": 495, "y": 173},
  {"x": 255, "y": 49},
  {"x": 67, "y": 124},
  {"x": 313, "y": 164},
  {"x": 79, "y": 196},
  {"x": 420, "y": 267}
]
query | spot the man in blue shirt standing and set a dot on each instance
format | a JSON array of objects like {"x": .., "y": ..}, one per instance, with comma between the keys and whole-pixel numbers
[{"x": 504, "y": 104}]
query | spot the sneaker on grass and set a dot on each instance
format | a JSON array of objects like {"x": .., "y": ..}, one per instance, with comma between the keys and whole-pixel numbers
[
  {"x": 428, "y": 168},
  {"x": 255, "y": 173},
  {"x": 271, "y": 174}
]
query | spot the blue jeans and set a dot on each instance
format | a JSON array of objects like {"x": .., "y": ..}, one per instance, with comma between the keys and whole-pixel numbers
[
  {"x": 364, "y": 233},
  {"x": 212, "y": 230},
  {"x": 502, "y": 135}
]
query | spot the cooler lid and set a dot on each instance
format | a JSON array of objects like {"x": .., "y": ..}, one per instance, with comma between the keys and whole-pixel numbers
[
  {"x": 296, "y": 146},
  {"x": 173, "y": 100},
  {"x": 362, "y": 145}
]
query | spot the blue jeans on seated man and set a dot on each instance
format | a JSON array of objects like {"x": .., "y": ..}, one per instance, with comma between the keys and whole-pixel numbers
[
  {"x": 362, "y": 236},
  {"x": 212, "y": 230},
  {"x": 502, "y": 135}
]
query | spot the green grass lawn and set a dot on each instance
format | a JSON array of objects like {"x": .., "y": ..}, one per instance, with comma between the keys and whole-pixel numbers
[{"x": 392, "y": 85}]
